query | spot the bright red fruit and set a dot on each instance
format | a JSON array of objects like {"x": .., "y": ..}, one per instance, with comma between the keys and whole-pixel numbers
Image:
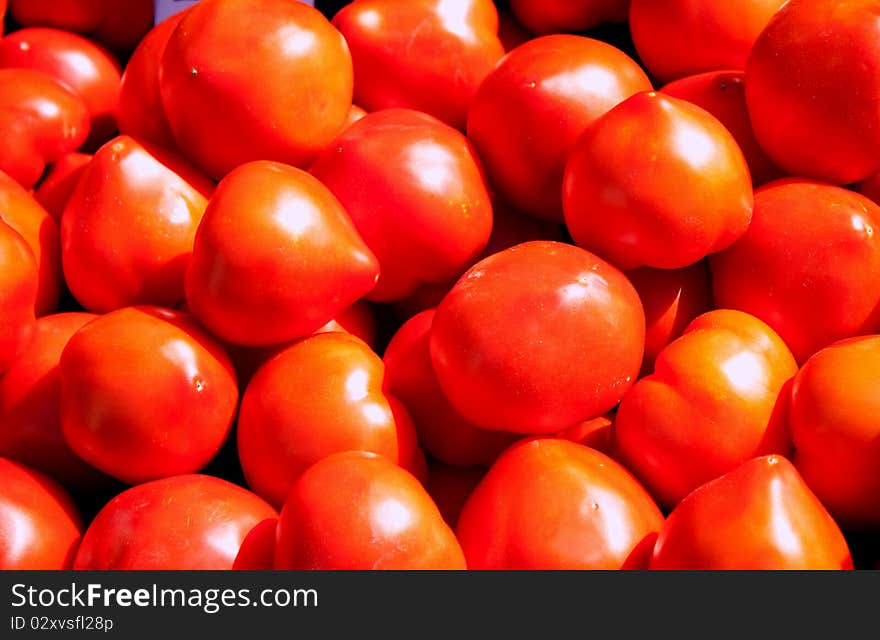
[
  {"x": 60, "y": 180},
  {"x": 18, "y": 290}
]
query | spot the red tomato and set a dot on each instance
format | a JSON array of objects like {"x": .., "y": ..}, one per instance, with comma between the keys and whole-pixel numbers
[
  {"x": 809, "y": 265},
  {"x": 551, "y": 504},
  {"x": 811, "y": 87},
  {"x": 30, "y": 405},
  {"x": 671, "y": 299},
  {"x": 443, "y": 432},
  {"x": 41, "y": 121},
  {"x": 616, "y": 193},
  {"x": 717, "y": 398},
  {"x": 74, "y": 15},
  {"x": 722, "y": 94},
  {"x": 532, "y": 108},
  {"x": 760, "y": 516},
  {"x": 427, "y": 55},
  {"x": 510, "y": 31},
  {"x": 870, "y": 188},
  {"x": 139, "y": 111},
  {"x": 836, "y": 435},
  {"x": 231, "y": 98},
  {"x": 678, "y": 38},
  {"x": 60, "y": 180},
  {"x": 20, "y": 211},
  {"x": 449, "y": 488},
  {"x": 356, "y": 510},
  {"x": 39, "y": 525},
  {"x": 146, "y": 204},
  {"x": 537, "y": 338},
  {"x": 18, "y": 290},
  {"x": 275, "y": 257},
  {"x": 84, "y": 67},
  {"x": 402, "y": 160},
  {"x": 339, "y": 405},
  {"x": 124, "y": 24},
  {"x": 354, "y": 114},
  {"x": 557, "y": 16},
  {"x": 596, "y": 433},
  {"x": 145, "y": 394},
  {"x": 187, "y": 522}
]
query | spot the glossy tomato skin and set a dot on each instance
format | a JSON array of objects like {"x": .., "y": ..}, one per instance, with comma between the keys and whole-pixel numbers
[
  {"x": 86, "y": 68},
  {"x": 811, "y": 84},
  {"x": 547, "y": 91},
  {"x": 718, "y": 397},
  {"x": 811, "y": 293},
  {"x": 401, "y": 160},
  {"x": 442, "y": 431},
  {"x": 759, "y": 516},
  {"x": 616, "y": 190},
  {"x": 537, "y": 338},
  {"x": 275, "y": 257},
  {"x": 145, "y": 394},
  {"x": 422, "y": 54},
  {"x": 551, "y": 504},
  {"x": 321, "y": 395},
  {"x": 230, "y": 98},
  {"x": 41, "y": 119},
  {"x": 380, "y": 516},
  {"x": 18, "y": 290},
  {"x": 564, "y": 16},
  {"x": 722, "y": 94},
  {"x": 678, "y": 38},
  {"x": 30, "y": 405},
  {"x": 185, "y": 522},
  {"x": 835, "y": 433},
  {"x": 672, "y": 298},
  {"x": 139, "y": 111},
  {"x": 57, "y": 185},
  {"x": 146, "y": 203}
]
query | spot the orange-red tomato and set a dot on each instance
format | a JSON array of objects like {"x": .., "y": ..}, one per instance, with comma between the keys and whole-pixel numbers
[
  {"x": 552, "y": 504},
  {"x": 380, "y": 516},
  {"x": 537, "y": 338},
  {"x": 231, "y": 97},
  {"x": 275, "y": 257},
  {"x": 760, "y": 515},
  {"x": 558, "y": 16},
  {"x": 809, "y": 265},
  {"x": 319, "y": 396},
  {"x": 616, "y": 192},
  {"x": 39, "y": 525},
  {"x": 18, "y": 290},
  {"x": 145, "y": 393},
  {"x": 186, "y": 522},
  {"x": 145, "y": 203},
  {"x": 401, "y": 160},
  {"x": 427, "y": 55},
  {"x": 717, "y": 398},
  {"x": 835, "y": 431},
  {"x": 60, "y": 180},
  {"x": 535, "y": 104}
]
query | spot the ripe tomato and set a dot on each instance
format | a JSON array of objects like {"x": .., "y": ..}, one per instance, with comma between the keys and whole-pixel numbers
[
  {"x": 717, "y": 398},
  {"x": 449, "y": 488},
  {"x": 678, "y": 38},
  {"x": 60, "y": 180},
  {"x": 809, "y": 265},
  {"x": 187, "y": 522},
  {"x": 532, "y": 108},
  {"x": 760, "y": 515},
  {"x": 18, "y": 290},
  {"x": 231, "y": 97},
  {"x": 356, "y": 510},
  {"x": 145, "y": 203},
  {"x": 30, "y": 405},
  {"x": 275, "y": 257},
  {"x": 427, "y": 55},
  {"x": 339, "y": 404},
  {"x": 84, "y": 67},
  {"x": 616, "y": 192},
  {"x": 552, "y": 504},
  {"x": 401, "y": 160},
  {"x": 811, "y": 84},
  {"x": 835, "y": 432},
  {"x": 537, "y": 338},
  {"x": 722, "y": 94},
  {"x": 145, "y": 394},
  {"x": 39, "y": 525},
  {"x": 442, "y": 431},
  {"x": 557, "y": 16},
  {"x": 595, "y": 433}
]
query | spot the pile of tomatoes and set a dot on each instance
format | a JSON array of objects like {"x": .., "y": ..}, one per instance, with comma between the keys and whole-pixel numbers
[{"x": 440, "y": 284}]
